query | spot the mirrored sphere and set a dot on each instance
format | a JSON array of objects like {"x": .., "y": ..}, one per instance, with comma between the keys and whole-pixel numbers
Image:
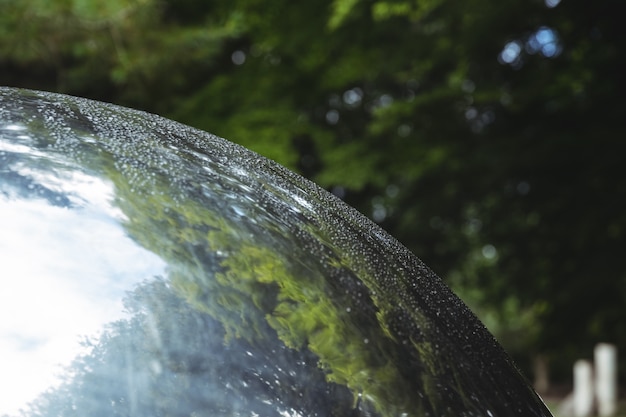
[{"x": 151, "y": 269}]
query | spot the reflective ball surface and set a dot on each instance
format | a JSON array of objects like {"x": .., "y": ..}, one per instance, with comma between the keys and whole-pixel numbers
[{"x": 151, "y": 269}]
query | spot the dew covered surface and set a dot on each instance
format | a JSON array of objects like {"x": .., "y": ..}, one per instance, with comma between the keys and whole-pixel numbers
[{"x": 270, "y": 297}]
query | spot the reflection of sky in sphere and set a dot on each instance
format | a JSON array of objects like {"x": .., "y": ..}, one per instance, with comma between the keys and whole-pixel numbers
[{"x": 64, "y": 273}]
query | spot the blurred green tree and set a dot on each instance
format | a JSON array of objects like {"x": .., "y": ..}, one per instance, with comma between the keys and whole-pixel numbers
[{"x": 486, "y": 136}]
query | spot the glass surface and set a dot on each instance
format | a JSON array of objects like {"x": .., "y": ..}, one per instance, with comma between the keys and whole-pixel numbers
[{"x": 151, "y": 269}]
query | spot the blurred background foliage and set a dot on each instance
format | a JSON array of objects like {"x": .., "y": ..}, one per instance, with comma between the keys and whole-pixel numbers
[{"x": 487, "y": 136}]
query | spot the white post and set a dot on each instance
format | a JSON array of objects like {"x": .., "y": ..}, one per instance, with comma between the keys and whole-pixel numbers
[
  {"x": 605, "y": 358},
  {"x": 583, "y": 388}
]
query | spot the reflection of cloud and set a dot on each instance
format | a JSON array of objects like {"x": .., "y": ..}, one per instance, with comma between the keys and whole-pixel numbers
[
  {"x": 23, "y": 343},
  {"x": 64, "y": 275}
]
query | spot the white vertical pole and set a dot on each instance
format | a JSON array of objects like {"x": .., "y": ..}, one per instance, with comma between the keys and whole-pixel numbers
[
  {"x": 605, "y": 358},
  {"x": 583, "y": 388}
]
